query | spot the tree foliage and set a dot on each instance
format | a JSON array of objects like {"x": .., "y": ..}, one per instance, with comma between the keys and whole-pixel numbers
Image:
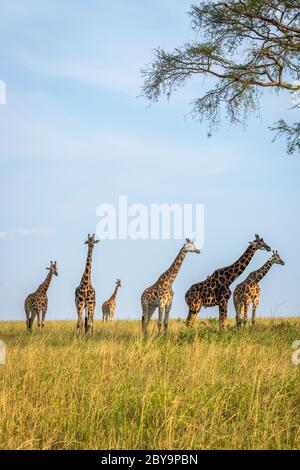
[{"x": 246, "y": 46}]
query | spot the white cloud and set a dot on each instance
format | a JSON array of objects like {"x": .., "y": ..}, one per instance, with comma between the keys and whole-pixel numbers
[
  {"x": 30, "y": 133},
  {"x": 101, "y": 46},
  {"x": 23, "y": 232},
  {"x": 44, "y": 138}
]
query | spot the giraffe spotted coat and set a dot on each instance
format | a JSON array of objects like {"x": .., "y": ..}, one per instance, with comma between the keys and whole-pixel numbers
[
  {"x": 160, "y": 294},
  {"x": 215, "y": 290},
  {"x": 85, "y": 296},
  {"x": 110, "y": 305},
  {"x": 36, "y": 304},
  {"x": 248, "y": 291}
]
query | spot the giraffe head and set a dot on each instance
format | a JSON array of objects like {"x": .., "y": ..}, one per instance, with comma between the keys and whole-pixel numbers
[
  {"x": 276, "y": 258},
  {"x": 53, "y": 268},
  {"x": 118, "y": 283},
  {"x": 91, "y": 240},
  {"x": 189, "y": 246},
  {"x": 259, "y": 244}
]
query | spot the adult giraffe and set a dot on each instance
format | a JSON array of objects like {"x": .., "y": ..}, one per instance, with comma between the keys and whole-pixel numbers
[
  {"x": 36, "y": 304},
  {"x": 248, "y": 291},
  {"x": 160, "y": 294},
  {"x": 85, "y": 297},
  {"x": 215, "y": 290}
]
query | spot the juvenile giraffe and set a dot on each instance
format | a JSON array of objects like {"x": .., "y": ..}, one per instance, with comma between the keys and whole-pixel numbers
[
  {"x": 85, "y": 297},
  {"x": 248, "y": 291},
  {"x": 109, "y": 306},
  {"x": 160, "y": 294},
  {"x": 37, "y": 302},
  {"x": 215, "y": 289}
]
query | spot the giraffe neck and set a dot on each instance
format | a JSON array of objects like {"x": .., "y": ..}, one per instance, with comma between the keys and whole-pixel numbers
[
  {"x": 86, "y": 277},
  {"x": 236, "y": 269},
  {"x": 115, "y": 293},
  {"x": 45, "y": 285},
  {"x": 171, "y": 273},
  {"x": 261, "y": 272}
]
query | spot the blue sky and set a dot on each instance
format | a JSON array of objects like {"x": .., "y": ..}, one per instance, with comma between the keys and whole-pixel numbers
[{"x": 74, "y": 135}]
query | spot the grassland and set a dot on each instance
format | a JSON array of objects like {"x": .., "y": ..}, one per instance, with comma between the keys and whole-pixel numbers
[{"x": 202, "y": 389}]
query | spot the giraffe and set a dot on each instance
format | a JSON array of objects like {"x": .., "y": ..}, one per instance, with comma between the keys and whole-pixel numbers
[
  {"x": 248, "y": 291},
  {"x": 37, "y": 302},
  {"x": 85, "y": 297},
  {"x": 109, "y": 306},
  {"x": 161, "y": 294},
  {"x": 215, "y": 289}
]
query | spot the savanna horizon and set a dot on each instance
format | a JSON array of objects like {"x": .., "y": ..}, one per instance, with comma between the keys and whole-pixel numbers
[{"x": 198, "y": 388}]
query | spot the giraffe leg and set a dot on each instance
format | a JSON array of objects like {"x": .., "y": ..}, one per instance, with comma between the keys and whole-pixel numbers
[
  {"x": 148, "y": 311},
  {"x": 145, "y": 319},
  {"x": 27, "y": 313},
  {"x": 166, "y": 319},
  {"x": 238, "y": 312},
  {"x": 91, "y": 305},
  {"x": 223, "y": 315},
  {"x": 80, "y": 309},
  {"x": 33, "y": 315},
  {"x": 43, "y": 318},
  {"x": 86, "y": 321},
  {"x": 89, "y": 330},
  {"x": 39, "y": 318},
  {"x": 223, "y": 297},
  {"x": 161, "y": 311},
  {"x": 240, "y": 319},
  {"x": 106, "y": 314},
  {"x": 254, "y": 307},
  {"x": 246, "y": 306},
  {"x": 103, "y": 314},
  {"x": 28, "y": 321},
  {"x": 92, "y": 323}
]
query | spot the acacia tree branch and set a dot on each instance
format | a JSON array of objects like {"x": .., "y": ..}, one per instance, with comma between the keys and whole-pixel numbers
[{"x": 249, "y": 46}]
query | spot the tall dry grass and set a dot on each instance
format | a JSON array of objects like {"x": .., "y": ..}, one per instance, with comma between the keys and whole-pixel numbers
[{"x": 194, "y": 390}]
